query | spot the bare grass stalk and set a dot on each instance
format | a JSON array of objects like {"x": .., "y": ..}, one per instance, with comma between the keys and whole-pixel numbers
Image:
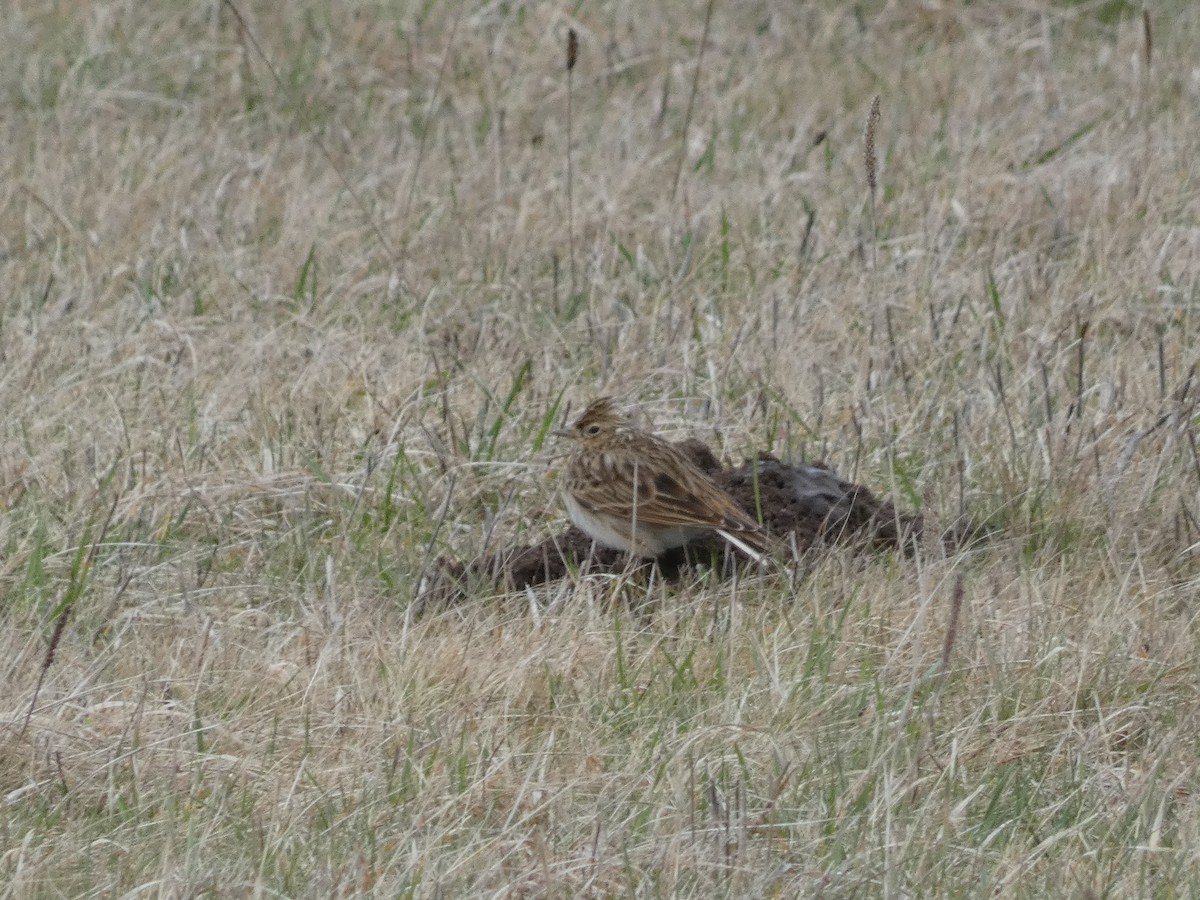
[
  {"x": 247, "y": 33},
  {"x": 691, "y": 102},
  {"x": 572, "y": 56},
  {"x": 80, "y": 578}
]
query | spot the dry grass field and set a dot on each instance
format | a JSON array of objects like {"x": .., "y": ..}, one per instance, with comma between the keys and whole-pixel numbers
[{"x": 288, "y": 306}]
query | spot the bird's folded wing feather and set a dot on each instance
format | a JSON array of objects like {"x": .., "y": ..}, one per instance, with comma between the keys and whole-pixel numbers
[{"x": 663, "y": 501}]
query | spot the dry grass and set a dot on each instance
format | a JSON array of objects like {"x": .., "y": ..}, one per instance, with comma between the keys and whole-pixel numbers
[{"x": 290, "y": 334}]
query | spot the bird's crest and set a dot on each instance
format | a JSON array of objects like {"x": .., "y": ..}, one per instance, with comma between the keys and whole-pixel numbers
[{"x": 599, "y": 418}]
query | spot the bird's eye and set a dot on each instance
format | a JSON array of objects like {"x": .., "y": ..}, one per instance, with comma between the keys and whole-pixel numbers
[{"x": 592, "y": 430}]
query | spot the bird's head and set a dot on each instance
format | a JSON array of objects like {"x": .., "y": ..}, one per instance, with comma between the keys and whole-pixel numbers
[{"x": 598, "y": 422}]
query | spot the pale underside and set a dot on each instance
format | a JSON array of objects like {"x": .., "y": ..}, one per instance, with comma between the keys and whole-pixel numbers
[{"x": 623, "y": 534}]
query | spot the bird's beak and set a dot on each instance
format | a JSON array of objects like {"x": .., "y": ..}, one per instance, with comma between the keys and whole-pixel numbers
[{"x": 563, "y": 433}]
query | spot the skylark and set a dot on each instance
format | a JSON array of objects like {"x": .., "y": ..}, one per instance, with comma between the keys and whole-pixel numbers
[{"x": 631, "y": 490}]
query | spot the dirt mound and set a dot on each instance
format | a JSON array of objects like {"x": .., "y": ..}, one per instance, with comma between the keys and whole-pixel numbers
[{"x": 801, "y": 505}]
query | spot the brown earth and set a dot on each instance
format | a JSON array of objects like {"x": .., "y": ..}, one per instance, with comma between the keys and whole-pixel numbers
[{"x": 803, "y": 507}]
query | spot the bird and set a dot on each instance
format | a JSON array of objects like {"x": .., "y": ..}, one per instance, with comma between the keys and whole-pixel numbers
[{"x": 631, "y": 490}]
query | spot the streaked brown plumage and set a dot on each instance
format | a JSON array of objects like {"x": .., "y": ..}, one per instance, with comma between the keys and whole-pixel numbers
[{"x": 629, "y": 489}]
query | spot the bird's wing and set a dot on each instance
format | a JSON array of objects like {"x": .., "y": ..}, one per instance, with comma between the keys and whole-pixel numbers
[{"x": 685, "y": 498}]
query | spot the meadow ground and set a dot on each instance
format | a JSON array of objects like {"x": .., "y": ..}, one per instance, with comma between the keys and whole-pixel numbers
[{"x": 288, "y": 305}]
